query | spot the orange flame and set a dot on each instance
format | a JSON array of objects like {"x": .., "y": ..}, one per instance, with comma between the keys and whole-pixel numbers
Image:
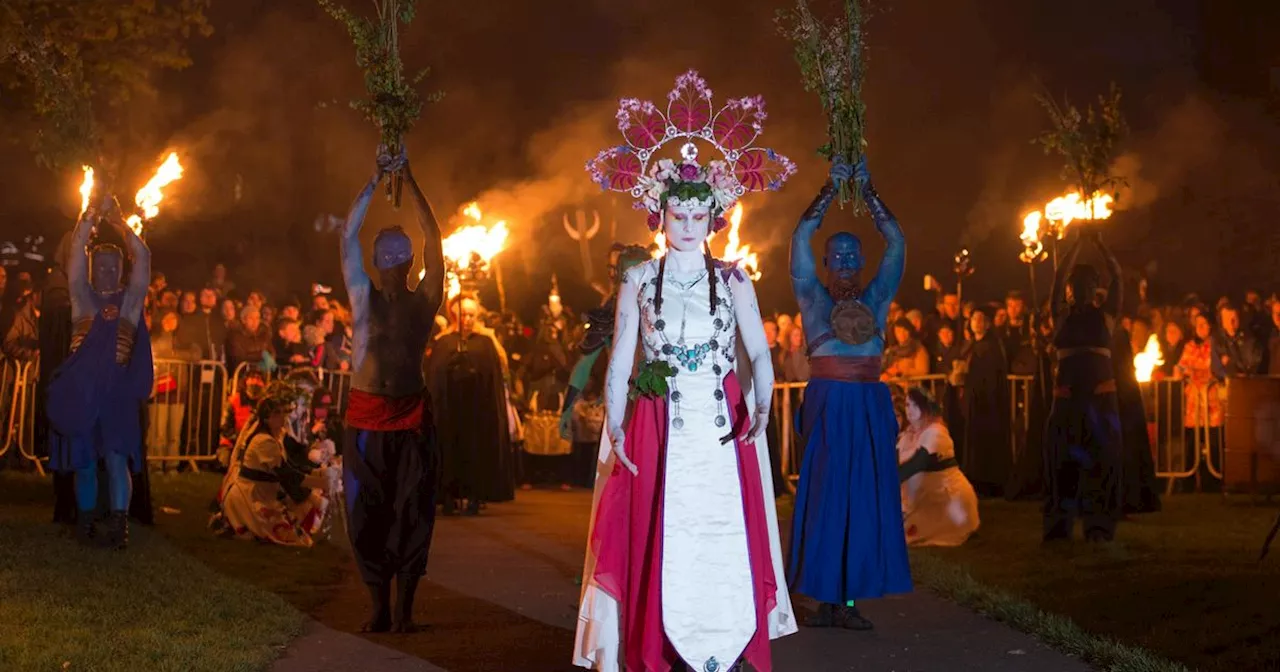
[
  {"x": 86, "y": 189},
  {"x": 1030, "y": 237},
  {"x": 1074, "y": 207},
  {"x": 1145, "y": 362},
  {"x": 149, "y": 196},
  {"x": 485, "y": 242},
  {"x": 734, "y": 251}
]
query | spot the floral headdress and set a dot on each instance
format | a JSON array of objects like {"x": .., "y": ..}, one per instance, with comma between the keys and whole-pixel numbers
[{"x": 690, "y": 116}]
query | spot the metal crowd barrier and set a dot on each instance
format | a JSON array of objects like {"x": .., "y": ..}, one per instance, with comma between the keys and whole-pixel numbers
[
  {"x": 187, "y": 405},
  {"x": 17, "y": 408},
  {"x": 1164, "y": 399},
  {"x": 1183, "y": 445}
]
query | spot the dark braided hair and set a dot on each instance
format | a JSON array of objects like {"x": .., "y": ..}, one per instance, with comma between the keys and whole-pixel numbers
[
  {"x": 657, "y": 296},
  {"x": 711, "y": 274}
]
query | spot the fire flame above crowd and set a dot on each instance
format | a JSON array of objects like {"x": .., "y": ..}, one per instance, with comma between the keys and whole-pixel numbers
[
  {"x": 1060, "y": 213},
  {"x": 473, "y": 243},
  {"x": 148, "y": 197},
  {"x": 734, "y": 250}
]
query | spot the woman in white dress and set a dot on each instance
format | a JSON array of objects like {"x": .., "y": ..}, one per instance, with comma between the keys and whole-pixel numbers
[
  {"x": 684, "y": 563},
  {"x": 939, "y": 505}
]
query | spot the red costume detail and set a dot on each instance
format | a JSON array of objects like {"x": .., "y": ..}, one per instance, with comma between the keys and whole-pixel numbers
[{"x": 376, "y": 413}]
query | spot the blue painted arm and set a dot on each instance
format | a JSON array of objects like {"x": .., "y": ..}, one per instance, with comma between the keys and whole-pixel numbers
[
  {"x": 432, "y": 286},
  {"x": 78, "y": 265},
  {"x": 888, "y": 278},
  {"x": 804, "y": 266}
]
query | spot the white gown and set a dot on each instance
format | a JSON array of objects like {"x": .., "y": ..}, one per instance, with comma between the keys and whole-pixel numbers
[{"x": 708, "y": 608}]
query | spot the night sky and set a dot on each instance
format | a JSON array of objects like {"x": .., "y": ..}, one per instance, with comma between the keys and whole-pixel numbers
[{"x": 531, "y": 88}]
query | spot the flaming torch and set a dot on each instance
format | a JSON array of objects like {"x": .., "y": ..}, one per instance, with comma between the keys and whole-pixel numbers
[
  {"x": 1145, "y": 362},
  {"x": 1074, "y": 207},
  {"x": 470, "y": 251},
  {"x": 735, "y": 252},
  {"x": 86, "y": 189},
  {"x": 149, "y": 196}
]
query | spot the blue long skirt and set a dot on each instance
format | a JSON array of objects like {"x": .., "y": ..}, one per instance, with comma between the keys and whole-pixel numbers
[{"x": 847, "y": 537}]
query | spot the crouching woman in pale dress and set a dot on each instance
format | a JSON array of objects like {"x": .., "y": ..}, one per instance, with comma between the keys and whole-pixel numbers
[
  {"x": 939, "y": 506},
  {"x": 265, "y": 495}
]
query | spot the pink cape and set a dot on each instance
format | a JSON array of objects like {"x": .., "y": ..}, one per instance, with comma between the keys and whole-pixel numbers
[{"x": 627, "y": 537}]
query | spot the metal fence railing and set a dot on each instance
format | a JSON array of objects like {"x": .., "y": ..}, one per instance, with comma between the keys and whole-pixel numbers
[{"x": 1180, "y": 447}]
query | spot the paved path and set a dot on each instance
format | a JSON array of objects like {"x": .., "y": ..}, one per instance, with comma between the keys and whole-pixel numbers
[{"x": 502, "y": 597}]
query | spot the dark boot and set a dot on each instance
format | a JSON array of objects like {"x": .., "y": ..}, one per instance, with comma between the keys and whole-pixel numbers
[
  {"x": 380, "y": 613},
  {"x": 473, "y": 507},
  {"x": 84, "y": 528},
  {"x": 406, "y": 588},
  {"x": 824, "y": 618},
  {"x": 851, "y": 619},
  {"x": 117, "y": 533}
]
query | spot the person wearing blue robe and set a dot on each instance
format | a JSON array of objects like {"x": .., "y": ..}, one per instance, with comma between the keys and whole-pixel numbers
[
  {"x": 95, "y": 397},
  {"x": 847, "y": 538}
]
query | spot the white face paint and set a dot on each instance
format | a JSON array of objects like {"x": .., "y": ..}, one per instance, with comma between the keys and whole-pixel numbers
[
  {"x": 554, "y": 305},
  {"x": 686, "y": 226},
  {"x": 913, "y": 412}
]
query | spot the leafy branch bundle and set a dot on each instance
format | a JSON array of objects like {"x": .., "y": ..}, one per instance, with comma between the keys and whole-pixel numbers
[
  {"x": 393, "y": 103},
  {"x": 832, "y": 64},
  {"x": 1088, "y": 142}
]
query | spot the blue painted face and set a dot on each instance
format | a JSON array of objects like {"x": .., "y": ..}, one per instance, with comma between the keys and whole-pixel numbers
[
  {"x": 843, "y": 257},
  {"x": 391, "y": 249}
]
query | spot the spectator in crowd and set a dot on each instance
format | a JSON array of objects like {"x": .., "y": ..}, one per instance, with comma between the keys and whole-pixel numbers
[
  {"x": 1202, "y": 401},
  {"x": 172, "y": 381},
  {"x": 985, "y": 455},
  {"x": 229, "y": 312},
  {"x": 908, "y": 358},
  {"x": 795, "y": 360},
  {"x": 21, "y": 342},
  {"x": 220, "y": 283},
  {"x": 202, "y": 328},
  {"x": 1235, "y": 353},
  {"x": 249, "y": 341},
  {"x": 289, "y": 348},
  {"x": 1171, "y": 348}
]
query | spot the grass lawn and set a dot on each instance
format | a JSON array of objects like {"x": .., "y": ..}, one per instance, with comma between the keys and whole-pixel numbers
[
  {"x": 1183, "y": 583},
  {"x": 178, "y": 599}
]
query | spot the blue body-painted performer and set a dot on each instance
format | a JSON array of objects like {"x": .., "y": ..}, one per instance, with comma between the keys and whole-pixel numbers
[
  {"x": 95, "y": 396},
  {"x": 847, "y": 539},
  {"x": 1083, "y": 441},
  {"x": 390, "y": 461}
]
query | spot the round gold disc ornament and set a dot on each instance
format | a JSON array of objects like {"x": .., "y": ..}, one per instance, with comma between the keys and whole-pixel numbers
[{"x": 852, "y": 322}]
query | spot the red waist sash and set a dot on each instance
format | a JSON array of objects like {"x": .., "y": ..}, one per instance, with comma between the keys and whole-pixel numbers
[
  {"x": 846, "y": 369},
  {"x": 377, "y": 413}
]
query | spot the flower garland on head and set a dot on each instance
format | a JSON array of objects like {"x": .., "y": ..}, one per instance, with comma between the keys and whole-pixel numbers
[
  {"x": 732, "y": 131},
  {"x": 712, "y": 186}
]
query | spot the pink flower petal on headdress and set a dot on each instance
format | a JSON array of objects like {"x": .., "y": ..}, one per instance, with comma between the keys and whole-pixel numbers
[
  {"x": 760, "y": 169},
  {"x": 689, "y": 106},
  {"x": 739, "y": 123},
  {"x": 618, "y": 169},
  {"x": 641, "y": 123}
]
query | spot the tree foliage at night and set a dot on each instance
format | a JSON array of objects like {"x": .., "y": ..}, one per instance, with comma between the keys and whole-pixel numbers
[
  {"x": 1088, "y": 142},
  {"x": 70, "y": 65}
]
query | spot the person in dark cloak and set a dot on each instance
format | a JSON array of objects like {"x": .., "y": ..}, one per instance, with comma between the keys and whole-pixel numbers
[
  {"x": 97, "y": 396},
  {"x": 1139, "y": 490},
  {"x": 1026, "y": 482},
  {"x": 1083, "y": 444},
  {"x": 390, "y": 461},
  {"x": 465, "y": 374},
  {"x": 986, "y": 459}
]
